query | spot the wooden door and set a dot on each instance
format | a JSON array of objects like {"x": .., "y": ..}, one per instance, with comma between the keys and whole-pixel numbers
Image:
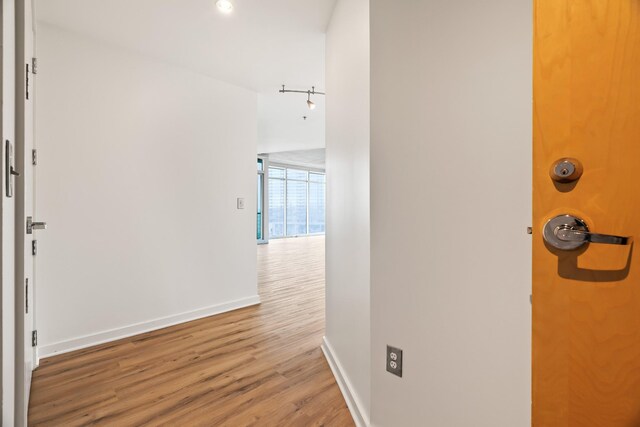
[{"x": 586, "y": 302}]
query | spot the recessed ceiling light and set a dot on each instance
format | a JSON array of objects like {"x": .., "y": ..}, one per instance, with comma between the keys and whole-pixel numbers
[{"x": 224, "y": 6}]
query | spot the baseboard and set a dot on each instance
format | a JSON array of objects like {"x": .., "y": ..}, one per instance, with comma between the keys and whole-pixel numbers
[
  {"x": 139, "y": 328},
  {"x": 355, "y": 407}
]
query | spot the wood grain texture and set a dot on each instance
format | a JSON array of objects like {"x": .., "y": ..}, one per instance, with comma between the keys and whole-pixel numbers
[
  {"x": 257, "y": 366},
  {"x": 586, "y": 304}
]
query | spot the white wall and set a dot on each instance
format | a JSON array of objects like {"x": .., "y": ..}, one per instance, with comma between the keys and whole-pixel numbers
[
  {"x": 347, "y": 165},
  {"x": 450, "y": 203},
  {"x": 140, "y": 164}
]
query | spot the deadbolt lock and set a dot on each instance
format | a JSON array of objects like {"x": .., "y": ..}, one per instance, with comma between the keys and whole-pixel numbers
[{"x": 566, "y": 170}]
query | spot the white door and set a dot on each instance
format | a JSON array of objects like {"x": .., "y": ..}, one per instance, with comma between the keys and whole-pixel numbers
[
  {"x": 26, "y": 221},
  {"x": 8, "y": 216}
]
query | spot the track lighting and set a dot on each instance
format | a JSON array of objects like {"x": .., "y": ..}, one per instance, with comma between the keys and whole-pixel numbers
[{"x": 310, "y": 103}]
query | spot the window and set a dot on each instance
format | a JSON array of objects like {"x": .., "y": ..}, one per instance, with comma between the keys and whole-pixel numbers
[
  {"x": 297, "y": 174},
  {"x": 276, "y": 207},
  {"x": 276, "y": 173},
  {"x": 316, "y": 202},
  {"x": 296, "y": 202},
  {"x": 296, "y": 207}
]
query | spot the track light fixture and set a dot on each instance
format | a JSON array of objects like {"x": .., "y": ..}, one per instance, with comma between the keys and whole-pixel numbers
[{"x": 310, "y": 103}]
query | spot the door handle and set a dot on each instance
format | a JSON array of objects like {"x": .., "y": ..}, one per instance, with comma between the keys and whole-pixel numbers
[
  {"x": 8, "y": 167},
  {"x": 569, "y": 235},
  {"x": 33, "y": 225},
  {"x": 567, "y": 232}
]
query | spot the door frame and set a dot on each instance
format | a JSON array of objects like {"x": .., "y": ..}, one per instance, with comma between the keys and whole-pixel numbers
[
  {"x": 7, "y": 207},
  {"x": 24, "y": 319}
]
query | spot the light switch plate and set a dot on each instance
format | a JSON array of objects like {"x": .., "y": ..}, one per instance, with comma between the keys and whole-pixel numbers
[{"x": 240, "y": 202}]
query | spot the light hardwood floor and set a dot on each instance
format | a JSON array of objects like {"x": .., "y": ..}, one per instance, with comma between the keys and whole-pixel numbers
[{"x": 259, "y": 366}]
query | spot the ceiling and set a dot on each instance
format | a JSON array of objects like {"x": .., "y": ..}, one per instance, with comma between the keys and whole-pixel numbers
[
  {"x": 259, "y": 46},
  {"x": 314, "y": 159},
  {"x": 282, "y": 126}
]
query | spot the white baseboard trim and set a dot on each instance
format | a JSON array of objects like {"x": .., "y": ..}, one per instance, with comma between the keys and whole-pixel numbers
[
  {"x": 360, "y": 417},
  {"x": 140, "y": 328}
]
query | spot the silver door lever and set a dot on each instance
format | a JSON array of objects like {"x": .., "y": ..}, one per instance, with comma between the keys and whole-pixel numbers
[
  {"x": 569, "y": 235},
  {"x": 567, "y": 232},
  {"x": 33, "y": 225}
]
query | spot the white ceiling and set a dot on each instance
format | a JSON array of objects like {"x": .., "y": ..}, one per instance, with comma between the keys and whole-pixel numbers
[
  {"x": 260, "y": 46},
  {"x": 281, "y": 126},
  {"x": 314, "y": 159}
]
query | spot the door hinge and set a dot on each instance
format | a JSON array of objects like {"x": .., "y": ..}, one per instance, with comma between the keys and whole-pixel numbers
[
  {"x": 34, "y": 247},
  {"x": 26, "y": 296},
  {"x": 34, "y": 65},
  {"x": 26, "y": 81},
  {"x": 34, "y": 338},
  {"x": 34, "y": 157}
]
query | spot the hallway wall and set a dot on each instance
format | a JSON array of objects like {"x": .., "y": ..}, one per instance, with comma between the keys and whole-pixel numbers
[
  {"x": 450, "y": 204},
  {"x": 347, "y": 158},
  {"x": 140, "y": 165}
]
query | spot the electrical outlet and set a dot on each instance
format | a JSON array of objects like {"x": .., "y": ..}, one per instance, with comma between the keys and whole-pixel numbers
[
  {"x": 240, "y": 202},
  {"x": 394, "y": 361}
]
